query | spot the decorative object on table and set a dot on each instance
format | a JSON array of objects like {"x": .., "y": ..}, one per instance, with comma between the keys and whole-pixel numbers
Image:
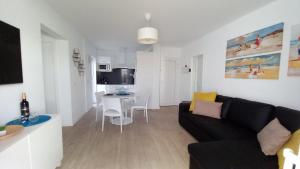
[
  {"x": 78, "y": 61},
  {"x": 122, "y": 91},
  {"x": 265, "y": 40},
  {"x": 123, "y": 94},
  {"x": 2, "y": 131},
  {"x": 11, "y": 130},
  {"x": 33, "y": 120},
  {"x": 257, "y": 67},
  {"x": 148, "y": 34},
  {"x": 24, "y": 105},
  {"x": 294, "y": 59}
]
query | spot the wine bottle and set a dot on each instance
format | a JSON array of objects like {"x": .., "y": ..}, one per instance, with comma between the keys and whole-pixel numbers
[{"x": 24, "y": 105}]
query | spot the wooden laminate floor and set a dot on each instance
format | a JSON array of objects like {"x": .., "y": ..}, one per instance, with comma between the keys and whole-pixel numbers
[{"x": 161, "y": 144}]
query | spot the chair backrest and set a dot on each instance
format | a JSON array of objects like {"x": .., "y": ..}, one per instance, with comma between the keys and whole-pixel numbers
[
  {"x": 111, "y": 103},
  {"x": 99, "y": 96}
]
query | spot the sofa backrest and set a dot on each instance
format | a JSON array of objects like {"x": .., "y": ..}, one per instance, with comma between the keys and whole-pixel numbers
[
  {"x": 250, "y": 114},
  {"x": 226, "y": 104},
  {"x": 289, "y": 118}
]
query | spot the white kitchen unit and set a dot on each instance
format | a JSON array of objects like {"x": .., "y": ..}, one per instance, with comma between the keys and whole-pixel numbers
[{"x": 36, "y": 147}]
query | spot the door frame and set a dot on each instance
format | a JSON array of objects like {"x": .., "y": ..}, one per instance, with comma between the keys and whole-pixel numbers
[
  {"x": 62, "y": 75},
  {"x": 194, "y": 73}
]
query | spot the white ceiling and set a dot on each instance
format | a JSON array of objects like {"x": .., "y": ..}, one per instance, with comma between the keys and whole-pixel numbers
[{"x": 111, "y": 24}]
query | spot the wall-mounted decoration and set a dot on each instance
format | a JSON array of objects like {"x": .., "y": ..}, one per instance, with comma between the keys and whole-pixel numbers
[
  {"x": 294, "y": 59},
  {"x": 265, "y": 40},
  {"x": 254, "y": 67},
  {"x": 78, "y": 61}
]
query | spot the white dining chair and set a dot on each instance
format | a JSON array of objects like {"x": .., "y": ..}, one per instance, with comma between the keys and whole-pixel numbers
[
  {"x": 112, "y": 108},
  {"x": 99, "y": 103},
  {"x": 140, "y": 105}
]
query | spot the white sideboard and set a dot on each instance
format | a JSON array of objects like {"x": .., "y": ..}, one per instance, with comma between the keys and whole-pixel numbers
[{"x": 36, "y": 147}]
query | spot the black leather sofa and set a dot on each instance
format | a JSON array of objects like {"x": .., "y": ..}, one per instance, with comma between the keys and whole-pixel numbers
[{"x": 230, "y": 142}]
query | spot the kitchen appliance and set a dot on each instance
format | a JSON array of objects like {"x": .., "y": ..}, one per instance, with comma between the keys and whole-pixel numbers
[{"x": 104, "y": 67}]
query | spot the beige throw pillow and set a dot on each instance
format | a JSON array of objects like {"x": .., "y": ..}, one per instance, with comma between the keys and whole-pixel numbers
[
  {"x": 210, "y": 109},
  {"x": 272, "y": 137}
]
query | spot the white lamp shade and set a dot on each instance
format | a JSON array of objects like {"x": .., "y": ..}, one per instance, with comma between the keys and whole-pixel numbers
[{"x": 147, "y": 35}]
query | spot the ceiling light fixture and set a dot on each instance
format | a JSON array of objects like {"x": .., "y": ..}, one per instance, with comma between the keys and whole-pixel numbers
[{"x": 148, "y": 34}]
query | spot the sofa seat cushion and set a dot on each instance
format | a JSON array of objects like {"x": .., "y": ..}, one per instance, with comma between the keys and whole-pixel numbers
[
  {"x": 220, "y": 129},
  {"x": 231, "y": 154}
]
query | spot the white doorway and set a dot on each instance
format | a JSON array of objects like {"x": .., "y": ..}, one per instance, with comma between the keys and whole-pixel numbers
[
  {"x": 197, "y": 73},
  {"x": 50, "y": 82},
  {"x": 168, "y": 82},
  {"x": 56, "y": 74}
]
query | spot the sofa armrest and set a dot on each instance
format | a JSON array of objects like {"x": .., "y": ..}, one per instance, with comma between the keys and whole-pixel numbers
[{"x": 184, "y": 107}]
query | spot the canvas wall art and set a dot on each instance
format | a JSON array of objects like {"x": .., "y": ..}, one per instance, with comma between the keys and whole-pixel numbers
[
  {"x": 261, "y": 41},
  {"x": 255, "y": 67},
  {"x": 294, "y": 58}
]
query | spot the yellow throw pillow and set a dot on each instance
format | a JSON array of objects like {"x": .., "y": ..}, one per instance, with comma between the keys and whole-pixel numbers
[
  {"x": 203, "y": 96},
  {"x": 292, "y": 144}
]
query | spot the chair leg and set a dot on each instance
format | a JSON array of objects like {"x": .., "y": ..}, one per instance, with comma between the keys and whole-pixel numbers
[
  {"x": 146, "y": 111},
  {"x": 103, "y": 122},
  {"x": 121, "y": 123},
  {"x": 131, "y": 115},
  {"x": 97, "y": 113}
]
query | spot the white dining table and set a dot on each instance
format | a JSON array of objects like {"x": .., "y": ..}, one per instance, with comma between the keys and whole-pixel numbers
[{"x": 123, "y": 97}]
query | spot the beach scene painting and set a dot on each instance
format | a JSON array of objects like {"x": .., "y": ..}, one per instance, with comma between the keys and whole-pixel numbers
[
  {"x": 294, "y": 58},
  {"x": 256, "y": 67},
  {"x": 267, "y": 40}
]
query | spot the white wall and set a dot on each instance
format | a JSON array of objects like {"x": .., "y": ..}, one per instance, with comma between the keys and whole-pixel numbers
[
  {"x": 284, "y": 91},
  {"x": 148, "y": 72},
  {"x": 146, "y": 77},
  {"x": 28, "y": 16},
  {"x": 48, "y": 53},
  {"x": 90, "y": 52}
]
